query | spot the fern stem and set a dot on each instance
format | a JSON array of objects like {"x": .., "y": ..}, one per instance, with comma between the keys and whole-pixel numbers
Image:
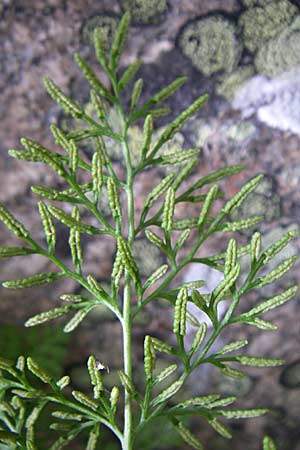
[
  {"x": 127, "y": 440},
  {"x": 127, "y": 319}
]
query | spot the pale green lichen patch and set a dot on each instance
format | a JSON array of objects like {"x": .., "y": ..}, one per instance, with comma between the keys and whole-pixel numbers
[
  {"x": 239, "y": 132},
  {"x": 199, "y": 131},
  {"x": 251, "y": 3},
  {"x": 106, "y": 24},
  {"x": 261, "y": 23},
  {"x": 211, "y": 44},
  {"x": 229, "y": 83},
  {"x": 145, "y": 11},
  {"x": 281, "y": 53}
]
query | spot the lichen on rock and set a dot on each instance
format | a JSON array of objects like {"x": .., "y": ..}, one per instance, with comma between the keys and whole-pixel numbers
[
  {"x": 199, "y": 131},
  {"x": 145, "y": 11},
  {"x": 229, "y": 83},
  {"x": 261, "y": 23},
  {"x": 240, "y": 132},
  {"x": 211, "y": 44},
  {"x": 251, "y": 3},
  {"x": 276, "y": 102},
  {"x": 281, "y": 53},
  {"x": 107, "y": 25}
]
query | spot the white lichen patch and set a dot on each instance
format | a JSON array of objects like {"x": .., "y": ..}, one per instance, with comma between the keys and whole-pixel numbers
[{"x": 276, "y": 102}]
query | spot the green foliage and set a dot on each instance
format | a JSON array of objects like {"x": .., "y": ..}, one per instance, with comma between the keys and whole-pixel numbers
[{"x": 23, "y": 393}]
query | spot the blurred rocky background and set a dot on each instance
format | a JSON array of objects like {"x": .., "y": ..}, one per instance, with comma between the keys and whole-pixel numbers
[{"x": 246, "y": 55}]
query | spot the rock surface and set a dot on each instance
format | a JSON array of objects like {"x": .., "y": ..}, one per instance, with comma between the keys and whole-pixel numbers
[{"x": 37, "y": 38}]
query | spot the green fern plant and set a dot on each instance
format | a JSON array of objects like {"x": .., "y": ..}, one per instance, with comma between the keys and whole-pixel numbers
[{"x": 126, "y": 410}]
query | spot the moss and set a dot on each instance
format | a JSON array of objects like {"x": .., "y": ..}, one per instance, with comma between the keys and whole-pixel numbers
[
  {"x": 211, "y": 44},
  {"x": 282, "y": 53},
  {"x": 231, "y": 82},
  {"x": 261, "y": 23},
  {"x": 107, "y": 25},
  {"x": 145, "y": 11}
]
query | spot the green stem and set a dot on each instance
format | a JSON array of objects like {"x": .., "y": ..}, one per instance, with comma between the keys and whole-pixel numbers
[
  {"x": 146, "y": 403},
  {"x": 127, "y": 441},
  {"x": 127, "y": 320}
]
